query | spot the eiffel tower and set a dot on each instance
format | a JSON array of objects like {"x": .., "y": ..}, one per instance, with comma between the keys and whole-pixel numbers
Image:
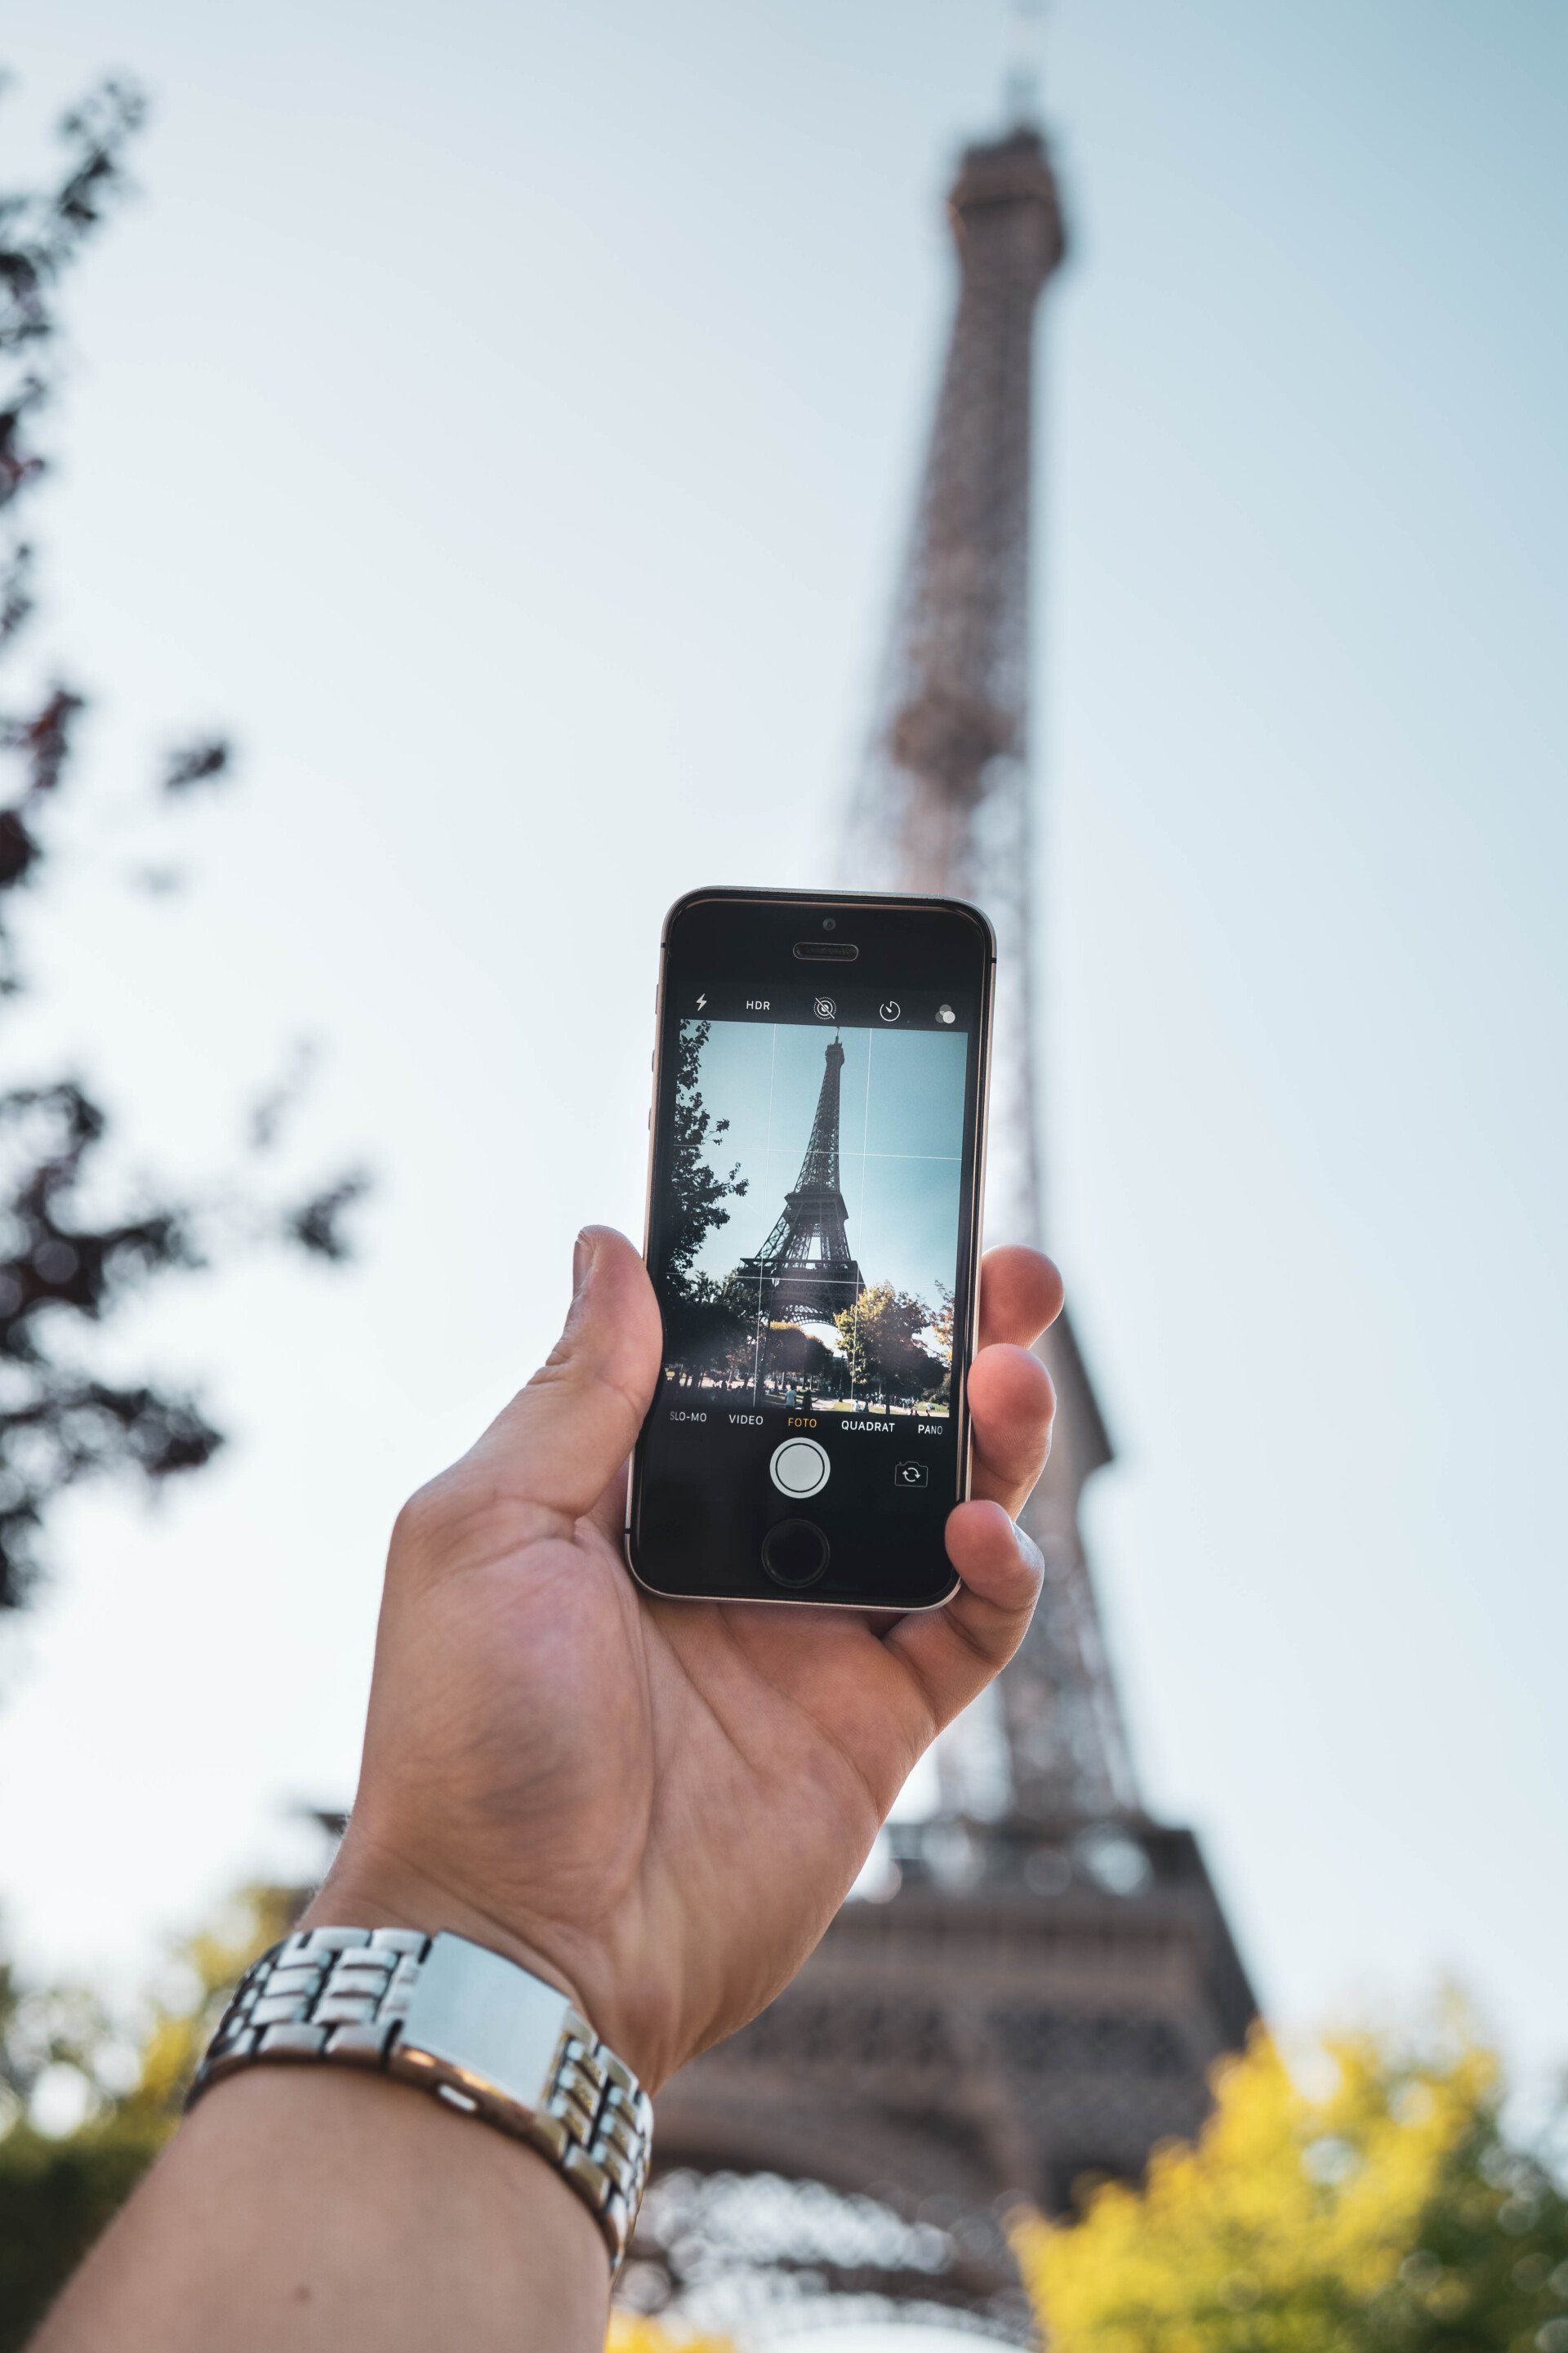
[
  {"x": 805, "y": 1268},
  {"x": 1041, "y": 1977}
]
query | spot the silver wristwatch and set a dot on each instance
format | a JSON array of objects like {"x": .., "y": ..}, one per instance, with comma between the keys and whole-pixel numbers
[{"x": 474, "y": 2028}]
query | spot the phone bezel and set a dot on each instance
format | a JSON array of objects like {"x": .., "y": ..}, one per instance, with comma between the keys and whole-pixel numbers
[{"x": 831, "y": 901}]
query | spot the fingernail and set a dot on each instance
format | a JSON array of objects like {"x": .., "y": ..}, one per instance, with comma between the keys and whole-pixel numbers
[{"x": 582, "y": 1261}]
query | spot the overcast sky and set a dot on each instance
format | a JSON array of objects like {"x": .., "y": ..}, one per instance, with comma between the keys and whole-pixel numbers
[{"x": 504, "y": 418}]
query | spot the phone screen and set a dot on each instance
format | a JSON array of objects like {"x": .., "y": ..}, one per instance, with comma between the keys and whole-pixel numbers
[{"x": 811, "y": 1222}]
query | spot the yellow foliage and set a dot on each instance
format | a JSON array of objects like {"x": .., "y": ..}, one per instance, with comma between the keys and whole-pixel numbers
[
  {"x": 58, "y": 2191},
  {"x": 631, "y": 2334},
  {"x": 1289, "y": 2223},
  {"x": 178, "y": 2031}
]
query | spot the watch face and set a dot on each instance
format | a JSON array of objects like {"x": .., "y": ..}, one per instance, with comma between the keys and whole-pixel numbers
[{"x": 472, "y": 2011}]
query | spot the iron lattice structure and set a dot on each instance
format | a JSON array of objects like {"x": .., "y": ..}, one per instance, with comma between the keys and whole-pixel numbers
[
  {"x": 1047, "y": 1976},
  {"x": 943, "y": 806},
  {"x": 805, "y": 1268}
]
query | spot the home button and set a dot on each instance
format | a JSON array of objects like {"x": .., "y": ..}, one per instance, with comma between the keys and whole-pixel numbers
[{"x": 795, "y": 1553}]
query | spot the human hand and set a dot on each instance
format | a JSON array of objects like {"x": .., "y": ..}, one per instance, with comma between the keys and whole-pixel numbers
[{"x": 657, "y": 1805}]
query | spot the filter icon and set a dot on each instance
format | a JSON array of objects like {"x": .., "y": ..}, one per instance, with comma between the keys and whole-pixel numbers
[{"x": 945, "y": 1013}]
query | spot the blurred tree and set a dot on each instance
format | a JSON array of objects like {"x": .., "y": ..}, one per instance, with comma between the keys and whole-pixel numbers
[
  {"x": 68, "y": 1255},
  {"x": 87, "y": 2102},
  {"x": 1388, "y": 2213}
]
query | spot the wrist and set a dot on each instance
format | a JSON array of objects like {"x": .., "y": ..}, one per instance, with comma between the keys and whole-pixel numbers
[
  {"x": 362, "y": 1892},
  {"x": 371, "y": 1886}
]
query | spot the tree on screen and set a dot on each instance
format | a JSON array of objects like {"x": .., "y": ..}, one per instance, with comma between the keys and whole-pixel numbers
[
  {"x": 888, "y": 1361},
  {"x": 941, "y": 1323},
  {"x": 795, "y": 1356},
  {"x": 708, "y": 1332},
  {"x": 697, "y": 1191},
  {"x": 76, "y": 1236}
]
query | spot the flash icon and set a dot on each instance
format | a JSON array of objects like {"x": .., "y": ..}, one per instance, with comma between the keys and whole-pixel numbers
[{"x": 701, "y": 1003}]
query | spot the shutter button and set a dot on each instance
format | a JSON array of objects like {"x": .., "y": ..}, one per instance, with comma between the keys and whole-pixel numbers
[{"x": 799, "y": 1468}]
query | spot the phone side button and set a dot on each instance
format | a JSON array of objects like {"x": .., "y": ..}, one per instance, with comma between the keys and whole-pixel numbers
[{"x": 795, "y": 1553}]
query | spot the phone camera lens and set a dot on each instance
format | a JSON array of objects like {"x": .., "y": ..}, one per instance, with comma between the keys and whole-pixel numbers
[{"x": 828, "y": 923}]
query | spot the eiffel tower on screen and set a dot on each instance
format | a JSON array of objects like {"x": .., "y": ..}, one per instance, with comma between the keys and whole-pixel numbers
[{"x": 806, "y": 1268}]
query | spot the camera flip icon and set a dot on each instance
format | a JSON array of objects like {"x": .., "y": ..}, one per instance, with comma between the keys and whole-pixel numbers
[{"x": 910, "y": 1475}]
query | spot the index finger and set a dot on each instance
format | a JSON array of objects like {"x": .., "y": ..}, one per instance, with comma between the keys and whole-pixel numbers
[
  {"x": 1020, "y": 1295},
  {"x": 1010, "y": 1396},
  {"x": 1011, "y": 1404}
]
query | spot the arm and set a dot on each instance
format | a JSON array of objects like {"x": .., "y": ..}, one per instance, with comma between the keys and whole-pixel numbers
[
  {"x": 308, "y": 2211},
  {"x": 656, "y": 1806}
]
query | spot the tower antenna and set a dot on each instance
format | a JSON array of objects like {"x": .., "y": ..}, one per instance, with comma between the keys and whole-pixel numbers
[{"x": 1021, "y": 84}]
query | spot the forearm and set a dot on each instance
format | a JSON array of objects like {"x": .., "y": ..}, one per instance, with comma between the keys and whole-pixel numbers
[{"x": 320, "y": 2208}]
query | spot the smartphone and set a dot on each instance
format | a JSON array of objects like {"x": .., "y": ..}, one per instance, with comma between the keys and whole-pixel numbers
[{"x": 815, "y": 1181}]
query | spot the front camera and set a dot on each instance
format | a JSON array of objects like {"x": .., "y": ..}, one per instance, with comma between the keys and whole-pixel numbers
[{"x": 829, "y": 924}]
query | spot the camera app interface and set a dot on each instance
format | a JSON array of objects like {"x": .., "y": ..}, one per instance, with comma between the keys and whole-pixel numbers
[{"x": 812, "y": 1198}]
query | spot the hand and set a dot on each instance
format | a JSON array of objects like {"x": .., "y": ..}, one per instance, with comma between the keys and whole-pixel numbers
[{"x": 657, "y": 1805}]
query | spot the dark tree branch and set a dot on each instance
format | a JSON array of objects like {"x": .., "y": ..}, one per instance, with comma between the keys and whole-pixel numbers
[{"x": 66, "y": 1263}]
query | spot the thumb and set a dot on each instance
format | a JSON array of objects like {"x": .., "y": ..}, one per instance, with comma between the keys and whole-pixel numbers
[{"x": 562, "y": 1438}]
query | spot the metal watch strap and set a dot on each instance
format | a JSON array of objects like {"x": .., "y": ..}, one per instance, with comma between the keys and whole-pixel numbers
[{"x": 477, "y": 2031}]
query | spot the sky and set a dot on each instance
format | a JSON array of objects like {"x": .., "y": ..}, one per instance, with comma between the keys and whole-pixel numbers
[
  {"x": 504, "y": 418},
  {"x": 900, "y": 1119}
]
